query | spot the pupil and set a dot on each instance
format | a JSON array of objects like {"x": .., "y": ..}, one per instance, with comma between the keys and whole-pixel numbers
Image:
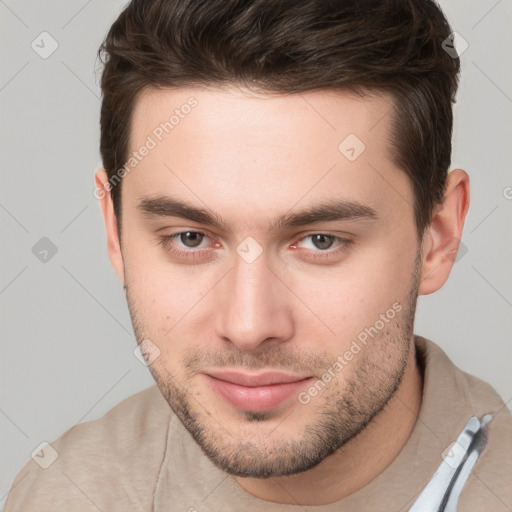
[
  {"x": 191, "y": 236},
  {"x": 319, "y": 241}
]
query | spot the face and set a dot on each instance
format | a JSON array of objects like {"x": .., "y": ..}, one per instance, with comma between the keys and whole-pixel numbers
[{"x": 271, "y": 268}]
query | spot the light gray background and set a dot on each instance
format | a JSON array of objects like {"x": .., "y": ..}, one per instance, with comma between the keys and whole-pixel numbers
[{"x": 67, "y": 342}]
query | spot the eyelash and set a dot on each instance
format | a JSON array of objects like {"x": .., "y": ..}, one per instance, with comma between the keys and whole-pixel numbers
[{"x": 166, "y": 242}]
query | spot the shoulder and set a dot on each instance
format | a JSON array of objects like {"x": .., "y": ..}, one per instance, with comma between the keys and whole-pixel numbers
[
  {"x": 456, "y": 396},
  {"x": 447, "y": 380},
  {"x": 111, "y": 463},
  {"x": 489, "y": 485}
]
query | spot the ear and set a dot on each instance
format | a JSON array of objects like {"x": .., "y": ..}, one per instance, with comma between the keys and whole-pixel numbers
[
  {"x": 442, "y": 237},
  {"x": 102, "y": 193}
]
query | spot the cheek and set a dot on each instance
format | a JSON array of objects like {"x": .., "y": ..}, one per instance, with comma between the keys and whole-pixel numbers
[
  {"x": 160, "y": 293},
  {"x": 176, "y": 304},
  {"x": 165, "y": 300},
  {"x": 351, "y": 297}
]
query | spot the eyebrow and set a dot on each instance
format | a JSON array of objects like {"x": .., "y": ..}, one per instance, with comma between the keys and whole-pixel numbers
[{"x": 325, "y": 211}]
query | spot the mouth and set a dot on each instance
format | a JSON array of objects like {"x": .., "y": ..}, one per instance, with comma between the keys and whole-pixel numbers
[{"x": 255, "y": 392}]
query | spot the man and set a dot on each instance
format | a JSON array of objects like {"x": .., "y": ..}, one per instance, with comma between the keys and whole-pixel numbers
[{"x": 276, "y": 196}]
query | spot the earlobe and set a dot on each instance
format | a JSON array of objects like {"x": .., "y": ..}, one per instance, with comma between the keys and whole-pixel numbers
[
  {"x": 102, "y": 193},
  {"x": 442, "y": 237}
]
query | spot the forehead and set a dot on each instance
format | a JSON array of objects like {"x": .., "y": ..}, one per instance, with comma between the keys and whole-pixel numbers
[
  {"x": 263, "y": 151},
  {"x": 231, "y": 109}
]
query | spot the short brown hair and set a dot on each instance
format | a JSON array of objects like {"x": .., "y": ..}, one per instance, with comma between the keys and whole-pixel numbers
[{"x": 291, "y": 46}]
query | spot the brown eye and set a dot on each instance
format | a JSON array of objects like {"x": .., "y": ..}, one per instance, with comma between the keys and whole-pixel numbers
[
  {"x": 322, "y": 247},
  {"x": 189, "y": 246},
  {"x": 321, "y": 241},
  {"x": 191, "y": 238}
]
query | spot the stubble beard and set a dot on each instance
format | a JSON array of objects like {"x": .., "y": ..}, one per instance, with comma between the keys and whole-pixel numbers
[{"x": 340, "y": 415}]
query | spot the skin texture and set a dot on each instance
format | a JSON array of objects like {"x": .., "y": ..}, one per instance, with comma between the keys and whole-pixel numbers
[{"x": 250, "y": 158}]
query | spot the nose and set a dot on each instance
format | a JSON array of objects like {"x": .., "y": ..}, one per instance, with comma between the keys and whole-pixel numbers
[{"x": 254, "y": 309}]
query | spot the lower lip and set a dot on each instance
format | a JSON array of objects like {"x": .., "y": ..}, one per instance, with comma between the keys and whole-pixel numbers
[{"x": 258, "y": 398}]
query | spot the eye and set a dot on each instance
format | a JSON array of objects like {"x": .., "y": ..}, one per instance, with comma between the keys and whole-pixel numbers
[
  {"x": 320, "y": 243},
  {"x": 189, "y": 244},
  {"x": 190, "y": 239},
  {"x": 321, "y": 240},
  {"x": 184, "y": 243}
]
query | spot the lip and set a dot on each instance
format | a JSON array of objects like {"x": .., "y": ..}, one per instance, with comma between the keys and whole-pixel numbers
[
  {"x": 255, "y": 379},
  {"x": 255, "y": 392}
]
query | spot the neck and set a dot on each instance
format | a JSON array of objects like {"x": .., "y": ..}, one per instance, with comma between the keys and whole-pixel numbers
[{"x": 359, "y": 461}]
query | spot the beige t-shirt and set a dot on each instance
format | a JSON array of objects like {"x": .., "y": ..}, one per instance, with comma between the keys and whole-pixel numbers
[{"x": 139, "y": 457}]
